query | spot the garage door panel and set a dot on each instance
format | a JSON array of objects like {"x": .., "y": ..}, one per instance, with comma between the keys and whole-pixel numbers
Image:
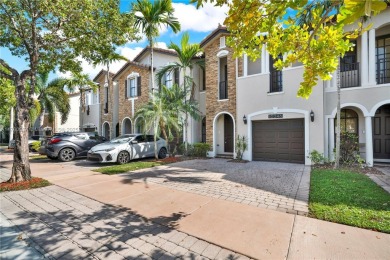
[{"x": 278, "y": 140}]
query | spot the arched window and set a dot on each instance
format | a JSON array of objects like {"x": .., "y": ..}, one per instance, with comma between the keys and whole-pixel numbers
[{"x": 349, "y": 121}]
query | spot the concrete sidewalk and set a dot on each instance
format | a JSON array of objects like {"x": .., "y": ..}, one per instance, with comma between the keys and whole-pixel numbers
[{"x": 243, "y": 229}]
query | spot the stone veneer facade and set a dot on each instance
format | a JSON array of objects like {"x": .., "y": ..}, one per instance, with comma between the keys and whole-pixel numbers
[
  {"x": 125, "y": 104},
  {"x": 213, "y": 105}
]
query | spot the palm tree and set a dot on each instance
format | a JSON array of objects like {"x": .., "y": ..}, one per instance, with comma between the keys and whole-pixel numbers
[
  {"x": 186, "y": 53},
  {"x": 159, "y": 117},
  {"x": 53, "y": 95},
  {"x": 149, "y": 17}
]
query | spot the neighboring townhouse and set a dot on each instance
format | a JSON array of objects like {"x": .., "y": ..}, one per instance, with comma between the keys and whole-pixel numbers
[
  {"x": 132, "y": 81},
  {"x": 281, "y": 127},
  {"x": 43, "y": 127},
  {"x": 106, "y": 107},
  {"x": 90, "y": 111},
  {"x": 219, "y": 94},
  {"x": 365, "y": 93}
]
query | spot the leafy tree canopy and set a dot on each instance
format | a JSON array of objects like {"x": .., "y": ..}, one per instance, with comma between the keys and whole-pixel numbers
[
  {"x": 317, "y": 42},
  {"x": 55, "y": 33}
]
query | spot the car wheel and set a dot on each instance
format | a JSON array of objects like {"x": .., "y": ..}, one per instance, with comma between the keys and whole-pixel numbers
[
  {"x": 123, "y": 157},
  {"x": 66, "y": 155},
  {"x": 51, "y": 157},
  {"x": 162, "y": 153}
]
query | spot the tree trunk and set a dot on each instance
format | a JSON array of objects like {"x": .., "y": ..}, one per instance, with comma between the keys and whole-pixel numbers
[
  {"x": 21, "y": 167},
  {"x": 338, "y": 134},
  {"x": 155, "y": 140},
  {"x": 151, "y": 64}
]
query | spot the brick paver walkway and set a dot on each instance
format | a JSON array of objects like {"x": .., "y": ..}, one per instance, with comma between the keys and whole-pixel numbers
[
  {"x": 56, "y": 223},
  {"x": 278, "y": 186}
]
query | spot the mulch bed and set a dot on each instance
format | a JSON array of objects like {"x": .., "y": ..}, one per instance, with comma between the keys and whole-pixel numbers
[
  {"x": 24, "y": 185},
  {"x": 238, "y": 161}
]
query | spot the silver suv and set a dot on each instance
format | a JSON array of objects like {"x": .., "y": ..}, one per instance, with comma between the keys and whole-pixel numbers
[{"x": 68, "y": 146}]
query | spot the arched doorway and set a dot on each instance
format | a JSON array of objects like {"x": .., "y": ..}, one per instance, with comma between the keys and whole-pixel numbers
[
  {"x": 126, "y": 126},
  {"x": 224, "y": 134},
  {"x": 106, "y": 130},
  {"x": 381, "y": 133}
]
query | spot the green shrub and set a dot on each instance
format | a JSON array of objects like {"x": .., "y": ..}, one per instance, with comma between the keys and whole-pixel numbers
[
  {"x": 241, "y": 146},
  {"x": 349, "y": 149},
  {"x": 195, "y": 150},
  {"x": 36, "y": 145},
  {"x": 317, "y": 157}
]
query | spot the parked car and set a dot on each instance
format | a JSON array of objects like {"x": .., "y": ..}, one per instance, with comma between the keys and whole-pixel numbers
[
  {"x": 127, "y": 147},
  {"x": 68, "y": 146}
]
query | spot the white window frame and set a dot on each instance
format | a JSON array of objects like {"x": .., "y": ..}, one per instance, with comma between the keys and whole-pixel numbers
[
  {"x": 132, "y": 77},
  {"x": 222, "y": 42},
  {"x": 170, "y": 76}
]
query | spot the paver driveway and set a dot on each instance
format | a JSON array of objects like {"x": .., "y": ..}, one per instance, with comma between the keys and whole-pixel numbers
[{"x": 278, "y": 186}]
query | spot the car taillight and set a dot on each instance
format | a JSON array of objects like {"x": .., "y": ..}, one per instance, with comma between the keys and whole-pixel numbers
[{"x": 55, "y": 140}]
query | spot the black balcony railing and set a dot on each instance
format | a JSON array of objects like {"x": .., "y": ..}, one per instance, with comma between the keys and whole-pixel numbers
[
  {"x": 106, "y": 108},
  {"x": 276, "y": 81},
  {"x": 383, "y": 71},
  {"x": 349, "y": 75},
  {"x": 223, "y": 90}
]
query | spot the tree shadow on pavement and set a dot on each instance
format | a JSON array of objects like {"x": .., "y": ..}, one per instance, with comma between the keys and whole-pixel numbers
[{"x": 67, "y": 225}]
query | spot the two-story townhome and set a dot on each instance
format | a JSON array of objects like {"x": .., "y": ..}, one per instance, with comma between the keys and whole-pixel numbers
[
  {"x": 130, "y": 89},
  {"x": 218, "y": 94},
  {"x": 133, "y": 92},
  {"x": 282, "y": 127}
]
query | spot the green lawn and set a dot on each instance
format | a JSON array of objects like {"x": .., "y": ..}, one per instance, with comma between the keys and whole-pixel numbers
[
  {"x": 38, "y": 157},
  {"x": 132, "y": 166},
  {"x": 349, "y": 198}
]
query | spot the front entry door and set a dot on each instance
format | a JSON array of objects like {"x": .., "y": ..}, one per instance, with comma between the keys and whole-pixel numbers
[
  {"x": 228, "y": 134},
  {"x": 381, "y": 133}
]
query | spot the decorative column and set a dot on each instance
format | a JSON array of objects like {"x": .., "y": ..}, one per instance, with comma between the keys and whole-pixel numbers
[
  {"x": 266, "y": 60},
  {"x": 331, "y": 138},
  {"x": 263, "y": 59},
  {"x": 369, "y": 145},
  {"x": 371, "y": 58},
  {"x": 245, "y": 65},
  {"x": 364, "y": 59}
]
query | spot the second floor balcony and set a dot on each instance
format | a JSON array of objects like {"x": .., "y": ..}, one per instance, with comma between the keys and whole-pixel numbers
[{"x": 349, "y": 75}]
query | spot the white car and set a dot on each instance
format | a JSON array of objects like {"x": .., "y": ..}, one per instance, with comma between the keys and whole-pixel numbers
[{"x": 127, "y": 147}]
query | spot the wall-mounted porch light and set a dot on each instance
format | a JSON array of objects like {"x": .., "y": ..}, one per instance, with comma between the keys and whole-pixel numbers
[
  {"x": 245, "y": 120},
  {"x": 312, "y": 116}
]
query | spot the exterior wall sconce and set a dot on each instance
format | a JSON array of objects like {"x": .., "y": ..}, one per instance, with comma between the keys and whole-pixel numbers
[
  {"x": 245, "y": 120},
  {"x": 312, "y": 116}
]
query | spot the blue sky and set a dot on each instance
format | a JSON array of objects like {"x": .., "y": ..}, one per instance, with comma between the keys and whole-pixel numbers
[{"x": 198, "y": 22}]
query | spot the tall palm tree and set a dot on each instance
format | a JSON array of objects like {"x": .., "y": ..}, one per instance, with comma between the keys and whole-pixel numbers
[
  {"x": 149, "y": 17},
  {"x": 186, "y": 53},
  {"x": 158, "y": 117}
]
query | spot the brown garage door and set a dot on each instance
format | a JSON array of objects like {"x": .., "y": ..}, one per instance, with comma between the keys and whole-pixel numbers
[{"x": 279, "y": 140}]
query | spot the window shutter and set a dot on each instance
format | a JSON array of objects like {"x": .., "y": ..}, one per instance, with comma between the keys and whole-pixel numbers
[
  {"x": 177, "y": 76},
  {"x": 139, "y": 86},
  {"x": 126, "y": 88}
]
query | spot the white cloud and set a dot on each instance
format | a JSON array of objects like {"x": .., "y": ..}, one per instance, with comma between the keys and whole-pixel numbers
[
  {"x": 92, "y": 71},
  {"x": 203, "y": 19},
  {"x": 161, "y": 45}
]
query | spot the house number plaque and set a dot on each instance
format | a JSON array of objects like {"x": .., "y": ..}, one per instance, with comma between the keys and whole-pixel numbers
[{"x": 275, "y": 116}]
